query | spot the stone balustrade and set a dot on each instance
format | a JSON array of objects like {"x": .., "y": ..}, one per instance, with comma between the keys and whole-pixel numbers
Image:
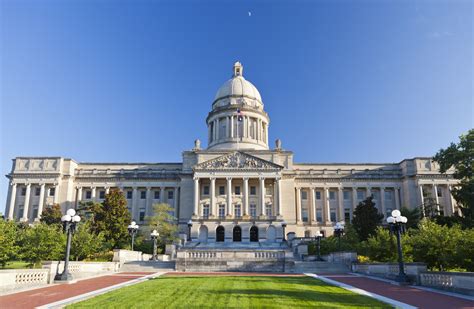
[
  {"x": 389, "y": 270},
  {"x": 16, "y": 279},
  {"x": 451, "y": 281}
]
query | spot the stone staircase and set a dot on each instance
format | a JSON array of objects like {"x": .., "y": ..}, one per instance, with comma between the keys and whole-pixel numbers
[
  {"x": 148, "y": 266},
  {"x": 320, "y": 267}
]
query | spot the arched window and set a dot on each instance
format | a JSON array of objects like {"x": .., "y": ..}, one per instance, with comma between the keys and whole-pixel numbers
[
  {"x": 203, "y": 234},
  {"x": 220, "y": 234},
  {"x": 237, "y": 234},
  {"x": 254, "y": 234}
]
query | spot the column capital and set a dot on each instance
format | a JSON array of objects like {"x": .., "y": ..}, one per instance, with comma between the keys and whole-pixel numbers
[
  {"x": 228, "y": 178},
  {"x": 245, "y": 178},
  {"x": 148, "y": 188},
  {"x": 77, "y": 187},
  {"x": 212, "y": 178},
  {"x": 28, "y": 184},
  {"x": 13, "y": 184},
  {"x": 93, "y": 187},
  {"x": 195, "y": 178}
]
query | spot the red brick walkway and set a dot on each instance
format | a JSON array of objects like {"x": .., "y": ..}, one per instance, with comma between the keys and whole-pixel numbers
[
  {"x": 51, "y": 294},
  {"x": 405, "y": 294}
]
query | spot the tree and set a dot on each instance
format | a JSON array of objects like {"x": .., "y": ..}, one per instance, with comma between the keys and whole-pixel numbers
[
  {"x": 42, "y": 242},
  {"x": 51, "y": 215},
  {"x": 413, "y": 216},
  {"x": 366, "y": 218},
  {"x": 461, "y": 157},
  {"x": 8, "y": 246},
  {"x": 164, "y": 223},
  {"x": 382, "y": 247},
  {"x": 111, "y": 217},
  {"x": 85, "y": 243}
]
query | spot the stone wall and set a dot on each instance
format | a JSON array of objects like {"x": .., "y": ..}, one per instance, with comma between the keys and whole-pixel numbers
[
  {"x": 121, "y": 256},
  {"x": 18, "y": 279},
  {"x": 389, "y": 270},
  {"x": 450, "y": 281}
]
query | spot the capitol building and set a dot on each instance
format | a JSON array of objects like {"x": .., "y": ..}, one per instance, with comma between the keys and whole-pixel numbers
[{"x": 238, "y": 188}]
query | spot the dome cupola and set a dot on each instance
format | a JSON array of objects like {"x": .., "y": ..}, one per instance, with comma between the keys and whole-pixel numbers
[{"x": 237, "y": 119}]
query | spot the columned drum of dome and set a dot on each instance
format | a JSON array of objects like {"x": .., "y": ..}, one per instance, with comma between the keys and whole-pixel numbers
[{"x": 237, "y": 119}]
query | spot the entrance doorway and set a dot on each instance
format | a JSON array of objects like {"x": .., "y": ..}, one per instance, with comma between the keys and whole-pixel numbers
[
  {"x": 237, "y": 234},
  {"x": 254, "y": 234},
  {"x": 220, "y": 234}
]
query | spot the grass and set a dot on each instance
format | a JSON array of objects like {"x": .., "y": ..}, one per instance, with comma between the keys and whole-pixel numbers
[
  {"x": 19, "y": 265},
  {"x": 231, "y": 292}
]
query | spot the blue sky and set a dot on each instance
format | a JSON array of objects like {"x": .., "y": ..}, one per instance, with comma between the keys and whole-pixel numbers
[{"x": 133, "y": 81}]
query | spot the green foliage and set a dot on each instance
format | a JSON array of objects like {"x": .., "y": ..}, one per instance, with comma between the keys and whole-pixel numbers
[
  {"x": 84, "y": 243},
  {"x": 51, "y": 215},
  {"x": 164, "y": 223},
  {"x": 42, "y": 242},
  {"x": 366, "y": 218},
  {"x": 461, "y": 157},
  {"x": 111, "y": 218},
  {"x": 413, "y": 216},
  {"x": 382, "y": 247},
  {"x": 8, "y": 245}
]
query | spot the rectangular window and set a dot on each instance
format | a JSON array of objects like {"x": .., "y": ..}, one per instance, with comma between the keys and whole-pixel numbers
[
  {"x": 375, "y": 195},
  {"x": 253, "y": 190},
  {"x": 142, "y": 195},
  {"x": 37, "y": 192},
  {"x": 221, "y": 190},
  {"x": 360, "y": 194},
  {"x": 237, "y": 211},
  {"x": 20, "y": 212},
  {"x": 205, "y": 190},
  {"x": 88, "y": 195},
  {"x": 318, "y": 195},
  {"x": 319, "y": 215},
  {"x": 269, "y": 210},
  {"x": 347, "y": 195},
  {"x": 347, "y": 215},
  {"x": 170, "y": 195},
  {"x": 23, "y": 191},
  {"x": 157, "y": 195},
  {"x": 388, "y": 195},
  {"x": 35, "y": 211},
  {"x": 129, "y": 195},
  {"x": 253, "y": 210},
  {"x": 221, "y": 211},
  {"x": 304, "y": 214},
  {"x": 332, "y": 195},
  {"x": 205, "y": 211},
  {"x": 52, "y": 191},
  {"x": 237, "y": 190},
  {"x": 304, "y": 195},
  {"x": 142, "y": 214},
  {"x": 333, "y": 215},
  {"x": 439, "y": 192},
  {"x": 101, "y": 194}
]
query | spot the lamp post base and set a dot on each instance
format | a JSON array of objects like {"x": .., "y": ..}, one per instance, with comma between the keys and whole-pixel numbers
[
  {"x": 64, "y": 277},
  {"x": 402, "y": 279}
]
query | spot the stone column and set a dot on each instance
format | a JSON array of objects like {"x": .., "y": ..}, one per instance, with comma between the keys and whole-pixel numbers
[
  {"x": 229, "y": 196},
  {"x": 134, "y": 202},
  {"x": 452, "y": 203},
  {"x": 382, "y": 202},
  {"x": 246, "y": 196},
  {"x": 299, "y": 217},
  {"x": 148, "y": 208},
  {"x": 162, "y": 194},
  {"x": 41, "y": 201},
  {"x": 196, "y": 197},
  {"x": 340, "y": 201},
  {"x": 327, "y": 206},
  {"x": 78, "y": 196},
  {"x": 266, "y": 133},
  {"x": 310, "y": 205},
  {"x": 422, "y": 199},
  {"x": 56, "y": 194},
  {"x": 369, "y": 192},
  {"x": 175, "y": 201},
  {"x": 396, "y": 191},
  {"x": 11, "y": 207},
  {"x": 314, "y": 217},
  {"x": 278, "y": 201},
  {"x": 212, "y": 207},
  {"x": 435, "y": 195},
  {"x": 26, "y": 205},
  {"x": 354, "y": 198},
  {"x": 107, "y": 190},
  {"x": 217, "y": 129},
  {"x": 231, "y": 127},
  {"x": 262, "y": 196},
  {"x": 93, "y": 193}
]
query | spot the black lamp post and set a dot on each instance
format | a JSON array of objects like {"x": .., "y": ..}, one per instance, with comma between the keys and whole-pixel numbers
[
  {"x": 69, "y": 220},
  {"x": 397, "y": 225},
  {"x": 339, "y": 232},
  {"x": 133, "y": 230},
  {"x": 283, "y": 225},
  {"x": 318, "y": 237},
  {"x": 190, "y": 224},
  {"x": 154, "y": 235}
]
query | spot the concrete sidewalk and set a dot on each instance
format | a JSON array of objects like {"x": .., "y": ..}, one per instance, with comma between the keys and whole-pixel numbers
[
  {"x": 58, "y": 292},
  {"x": 405, "y": 294}
]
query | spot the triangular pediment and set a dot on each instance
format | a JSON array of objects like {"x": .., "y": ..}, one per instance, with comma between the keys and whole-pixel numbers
[{"x": 237, "y": 161}]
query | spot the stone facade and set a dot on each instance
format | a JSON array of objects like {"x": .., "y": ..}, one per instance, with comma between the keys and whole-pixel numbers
[{"x": 235, "y": 189}]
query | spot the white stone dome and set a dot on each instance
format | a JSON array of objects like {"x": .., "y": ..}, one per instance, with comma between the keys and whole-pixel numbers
[{"x": 238, "y": 86}]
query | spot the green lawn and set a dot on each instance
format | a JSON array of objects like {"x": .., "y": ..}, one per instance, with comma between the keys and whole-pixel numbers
[
  {"x": 231, "y": 292},
  {"x": 19, "y": 265}
]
